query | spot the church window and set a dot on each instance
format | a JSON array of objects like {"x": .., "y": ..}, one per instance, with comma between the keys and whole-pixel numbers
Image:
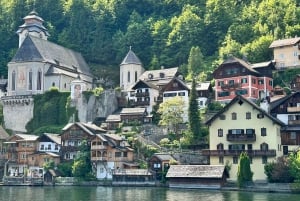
[
  {"x": 65, "y": 85},
  {"x": 128, "y": 76},
  {"x": 39, "y": 80},
  {"x": 13, "y": 81},
  {"x": 53, "y": 84},
  {"x": 30, "y": 80},
  {"x": 135, "y": 76}
]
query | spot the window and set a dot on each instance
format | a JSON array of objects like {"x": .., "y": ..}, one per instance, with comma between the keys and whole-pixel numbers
[
  {"x": 13, "y": 81},
  {"x": 264, "y": 147},
  {"x": 241, "y": 92},
  {"x": 248, "y": 115},
  {"x": 181, "y": 93},
  {"x": 161, "y": 75},
  {"x": 231, "y": 82},
  {"x": 222, "y": 117},
  {"x": 233, "y": 116},
  {"x": 221, "y": 160},
  {"x": 263, "y": 131},
  {"x": 124, "y": 154},
  {"x": 236, "y": 131},
  {"x": 118, "y": 154},
  {"x": 220, "y": 132},
  {"x": 135, "y": 76},
  {"x": 293, "y": 136},
  {"x": 42, "y": 147},
  {"x": 39, "y": 80},
  {"x": 65, "y": 85},
  {"x": 56, "y": 147},
  {"x": 236, "y": 147},
  {"x": 264, "y": 159},
  {"x": 46, "y": 160},
  {"x": 270, "y": 83},
  {"x": 23, "y": 156},
  {"x": 128, "y": 76},
  {"x": 49, "y": 146},
  {"x": 220, "y": 146},
  {"x": 254, "y": 81},
  {"x": 235, "y": 160},
  {"x": 244, "y": 80},
  {"x": 53, "y": 84},
  {"x": 221, "y": 83},
  {"x": 260, "y": 81},
  {"x": 223, "y": 93},
  {"x": 175, "y": 84},
  {"x": 30, "y": 80}
]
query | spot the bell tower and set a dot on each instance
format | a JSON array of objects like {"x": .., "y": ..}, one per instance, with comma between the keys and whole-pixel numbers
[{"x": 33, "y": 25}]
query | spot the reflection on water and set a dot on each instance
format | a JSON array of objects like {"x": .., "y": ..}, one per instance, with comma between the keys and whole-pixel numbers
[{"x": 75, "y": 193}]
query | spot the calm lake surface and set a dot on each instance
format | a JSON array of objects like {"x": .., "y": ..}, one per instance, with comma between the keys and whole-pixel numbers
[{"x": 74, "y": 193}]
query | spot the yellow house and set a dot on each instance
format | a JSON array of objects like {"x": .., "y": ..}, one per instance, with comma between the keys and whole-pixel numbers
[
  {"x": 243, "y": 126},
  {"x": 286, "y": 53}
]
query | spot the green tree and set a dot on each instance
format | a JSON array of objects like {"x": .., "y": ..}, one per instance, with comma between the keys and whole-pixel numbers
[
  {"x": 244, "y": 173},
  {"x": 294, "y": 165},
  {"x": 193, "y": 113},
  {"x": 49, "y": 165},
  {"x": 279, "y": 171},
  {"x": 195, "y": 63},
  {"x": 82, "y": 167},
  {"x": 171, "y": 111}
]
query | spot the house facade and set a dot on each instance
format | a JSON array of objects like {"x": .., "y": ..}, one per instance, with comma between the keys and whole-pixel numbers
[
  {"x": 286, "y": 53},
  {"x": 237, "y": 77},
  {"x": 109, "y": 152},
  {"x": 244, "y": 127},
  {"x": 287, "y": 110},
  {"x": 136, "y": 114},
  {"x": 73, "y": 135}
]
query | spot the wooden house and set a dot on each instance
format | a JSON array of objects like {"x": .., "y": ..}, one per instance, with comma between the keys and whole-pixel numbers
[
  {"x": 139, "y": 115},
  {"x": 73, "y": 134},
  {"x": 113, "y": 121},
  {"x": 159, "y": 163},
  {"x": 197, "y": 176},
  {"x": 109, "y": 152},
  {"x": 295, "y": 83}
]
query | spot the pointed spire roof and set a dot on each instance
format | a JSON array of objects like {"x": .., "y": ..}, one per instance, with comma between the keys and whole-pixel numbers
[{"x": 131, "y": 58}]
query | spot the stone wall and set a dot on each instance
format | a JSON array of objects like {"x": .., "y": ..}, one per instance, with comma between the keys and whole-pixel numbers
[{"x": 18, "y": 110}]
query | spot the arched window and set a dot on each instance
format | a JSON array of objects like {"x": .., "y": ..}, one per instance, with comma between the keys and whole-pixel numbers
[
  {"x": 135, "y": 76},
  {"x": 39, "y": 80},
  {"x": 13, "y": 81},
  {"x": 233, "y": 116},
  {"x": 30, "y": 80},
  {"x": 53, "y": 84},
  {"x": 128, "y": 76}
]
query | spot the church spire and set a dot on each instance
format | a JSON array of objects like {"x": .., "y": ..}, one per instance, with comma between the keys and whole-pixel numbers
[{"x": 33, "y": 25}]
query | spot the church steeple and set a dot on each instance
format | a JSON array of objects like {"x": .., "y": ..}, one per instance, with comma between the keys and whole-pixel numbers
[{"x": 33, "y": 25}]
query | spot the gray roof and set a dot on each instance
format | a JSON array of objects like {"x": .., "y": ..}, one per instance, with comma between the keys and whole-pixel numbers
[
  {"x": 242, "y": 62},
  {"x": 284, "y": 42},
  {"x": 3, "y": 134},
  {"x": 164, "y": 157},
  {"x": 196, "y": 171},
  {"x": 131, "y": 58},
  {"x": 26, "y": 137},
  {"x": 136, "y": 110},
  {"x": 169, "y": 73},
  {"x": 40, "y": 50},
  {"x": 54, "y": 137},
  {"x": 132, "y": 172},
  {"x": 91, "y": 129},
  {"x": 113, "y": 118}
]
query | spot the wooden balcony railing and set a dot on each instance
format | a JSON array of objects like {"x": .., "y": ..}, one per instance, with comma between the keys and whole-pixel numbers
[
  {"x": 98, "y": 147},
  {"x": 98, "y": 158},
  {"x": 251, "y": 153},
  {"x": 241, "y": 137},
  {"x": 142, "y": 94},
  {"x": 293, "y": 109},
  {"x": 293, "y": 122}
]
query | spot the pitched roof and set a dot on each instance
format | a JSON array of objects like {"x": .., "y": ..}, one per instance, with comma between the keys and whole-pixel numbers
[
  {"x": 91, "y": 129},
  {"x": 132, "y": 172},
  {"x": 237, "y": 99},
  {"x": 136, "y": 110},
  {"x": 144, "y": 83},
  {"x": 3, "y": 134},
  {"x": 113, "y": 118},
  {"x": 168, "y": 73},
  {"x": 131, "y": 58},
  {"x": 279, "y": 101},
  {"x": 240, "y": 61},
  {"x": 26, "y": 137},
  {"x": 196, "y": 171},
  {"x": 163, "y": 157},
  {"x": 284, "y": 42},
  {"x": 40, "y": 50},
  {"x": 54, "y": 137}
]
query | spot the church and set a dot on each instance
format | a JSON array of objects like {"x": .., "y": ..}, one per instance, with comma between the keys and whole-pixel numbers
[{"x": 40, "y": 64}]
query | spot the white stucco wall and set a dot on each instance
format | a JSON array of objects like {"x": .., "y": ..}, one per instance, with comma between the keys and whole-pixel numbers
[{"x": 104, "y": 170}]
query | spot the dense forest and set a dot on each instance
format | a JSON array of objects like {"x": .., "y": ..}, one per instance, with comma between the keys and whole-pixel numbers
[{"x": 160, "y": 32}]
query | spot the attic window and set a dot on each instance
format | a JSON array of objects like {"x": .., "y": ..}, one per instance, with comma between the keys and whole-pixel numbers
[
  {"x": 175, "y": 84},
  {"x": 161, "y": 75},
  {"x": 150, "y": 76}
]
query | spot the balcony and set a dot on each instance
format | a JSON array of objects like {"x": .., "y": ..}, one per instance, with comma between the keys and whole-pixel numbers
[
  {"x": 142, "y": 94},
  {"x": 231, "y": 86},
  {"x": 252, "y": 153},
  {"x": 293, "y": 122},
  {"x": 241, "y": 137},
  {"x": 98, "y": 147},
  {"x": 141, "y": 103},
  {"x": 98, "y": 158},
  {"x": 293, "y": 109}
]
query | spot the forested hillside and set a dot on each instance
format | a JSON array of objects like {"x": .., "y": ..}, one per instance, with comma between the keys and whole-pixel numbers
[{"x": 161, "y": 32}]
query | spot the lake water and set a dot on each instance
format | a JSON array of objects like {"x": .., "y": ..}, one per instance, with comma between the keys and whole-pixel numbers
[{"x": 76, "y": 193}]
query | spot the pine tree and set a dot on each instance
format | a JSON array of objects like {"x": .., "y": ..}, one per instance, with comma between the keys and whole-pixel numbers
[
  {"x": 244, "y": 171},
  {"x": 194, "y": 118}
]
